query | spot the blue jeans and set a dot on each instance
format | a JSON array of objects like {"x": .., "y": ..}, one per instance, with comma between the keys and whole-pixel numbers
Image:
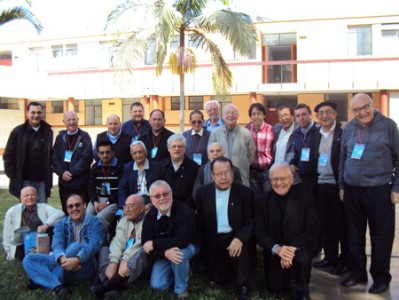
[
  {"x": 163, "y": 271},
  {"x": 43, "y": 269}
]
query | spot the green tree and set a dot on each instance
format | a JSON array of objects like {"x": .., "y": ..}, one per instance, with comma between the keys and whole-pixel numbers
[
  {"x": 181, "y": 18},
  {"x": 20, "y": 13}
]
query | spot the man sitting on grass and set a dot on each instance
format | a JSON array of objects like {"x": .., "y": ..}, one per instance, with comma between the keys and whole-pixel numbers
[
  {"x": 124, "y": 260},
  {"x": 77, "y": 239}
]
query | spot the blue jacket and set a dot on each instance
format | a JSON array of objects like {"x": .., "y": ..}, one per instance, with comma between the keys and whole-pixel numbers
[
  {"x": 81, "y": 160},
  {"x": 128, "y": 182},
  {"x": 91, "y": 237},
  {"x": 202, "y": 147},
  {"x": 128, "y": 128}
]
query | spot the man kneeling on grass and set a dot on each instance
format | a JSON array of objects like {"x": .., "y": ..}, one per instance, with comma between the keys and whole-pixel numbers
[
  {"x": 77, "y": 239},
  {"x": 124, "y": 260}
]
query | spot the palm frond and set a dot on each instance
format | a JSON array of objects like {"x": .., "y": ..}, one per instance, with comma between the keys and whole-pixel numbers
[
  {"x": 20, "y": 13},
  {"x": 116, "y": 14},
  {"x": 222, "y": 77},
  {"x": 128, "y": 52},
  {"x": 168, "y": 20},
  {"x": 236, "y": 27}
]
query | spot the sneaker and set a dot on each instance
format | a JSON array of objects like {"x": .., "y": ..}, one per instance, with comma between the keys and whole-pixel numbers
[{"x": 183, "y": 296}]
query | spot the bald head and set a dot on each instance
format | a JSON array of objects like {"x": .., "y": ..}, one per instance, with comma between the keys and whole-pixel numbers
[
  {"x": 134, "y": 207},
  {"x": 230, "y": 116},
  {"x": 71, "y": 120},
  {"x": 29, "y": 196}
]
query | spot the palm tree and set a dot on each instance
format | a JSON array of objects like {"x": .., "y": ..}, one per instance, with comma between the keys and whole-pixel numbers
[
  {"x": 20, "y": 13},
  {"x": 182, "y": 18}
]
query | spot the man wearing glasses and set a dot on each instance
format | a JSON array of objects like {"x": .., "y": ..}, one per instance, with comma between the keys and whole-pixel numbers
[
  {"x": 77, "y": 239},
  {"x": 330, "y": 207},
  {"x": 212, "y": 108},
  {"x": 287, "y": 227},
  {"x": 168, "y": 237},
  {"x": 124, "y": 260},
  {"x": 369, "y": 185},
  {"x": 225, "y": 222},
  {"x": 27, "y": 157},
  {"x": 197, "y": 138}
]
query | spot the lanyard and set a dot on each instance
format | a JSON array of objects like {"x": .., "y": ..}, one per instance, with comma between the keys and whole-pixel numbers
[
  {"x": 156, "y": 141},
  {"x": 105, "y": 172},
  {"x": 304, "y": 141},
  {"x": 70, "y": 145},
  {"x": 326, "y": 143},
  {"x": 196, "y": 147},
  {"x": 360, "y": 139},
  {"x": 136, "y": 128},
  {"x": 30, "y": 218}
]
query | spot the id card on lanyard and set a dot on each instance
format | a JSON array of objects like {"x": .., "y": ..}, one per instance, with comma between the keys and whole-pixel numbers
[{"x": 358, "y": 150}]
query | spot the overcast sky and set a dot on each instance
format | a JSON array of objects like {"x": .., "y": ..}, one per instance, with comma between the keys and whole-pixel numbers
[{"x": 80, "y": 17}]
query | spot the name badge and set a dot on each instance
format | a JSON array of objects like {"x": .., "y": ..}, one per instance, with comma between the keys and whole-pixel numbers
[
  {"x": 197, "y": 157},
  {"x": 323, "y": 159},
  {"x": 305, "y": 154},
  {"x": 68, "y": 155},
  {"x": 154, "y": 152},
  {"x": 105, "y": 189},
  {"x": 357, "y": 152},
  {"x": 130, "y": 242}
]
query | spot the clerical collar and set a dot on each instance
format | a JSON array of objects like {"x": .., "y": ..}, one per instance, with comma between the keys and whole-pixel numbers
[{"x": 72, "y": 132}]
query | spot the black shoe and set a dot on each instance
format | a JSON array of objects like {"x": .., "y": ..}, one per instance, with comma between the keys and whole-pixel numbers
[
  {"x": 339, "y": 269},
  {"x": 98, "y": 291},
  {"x": 303, "y": 295},
  {"x": 30, "y": 285},
  {"x": 378, "y": 288},
  {"x": 61, "y": 292},
  {"x": 244, "y": 293},
  {"x": 324, "y": 263},
  {"x": 352, "y": 280}
]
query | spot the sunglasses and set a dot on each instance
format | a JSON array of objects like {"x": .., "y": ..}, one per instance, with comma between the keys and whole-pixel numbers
[
  {"x": 77, "y": 205},
  {"x": 159, "y": 196},
  {"x": 196, "y": 122}
]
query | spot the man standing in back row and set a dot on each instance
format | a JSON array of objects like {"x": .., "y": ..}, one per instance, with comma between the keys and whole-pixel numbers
[
  {"x": 137, "y": 126},
  {"x": 369, "y": 184},
  {"x": 72, "y": 157},
  {"x": 27, "y": 157}
]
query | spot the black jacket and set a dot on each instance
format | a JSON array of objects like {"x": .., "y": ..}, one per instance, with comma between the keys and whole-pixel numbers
[
  {"x": 81, "y": 160},
  {"x": 15, "y": 153}
]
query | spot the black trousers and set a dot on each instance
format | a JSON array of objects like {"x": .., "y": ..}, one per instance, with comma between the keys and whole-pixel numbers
[
  {"x": 278, "y": 279},
  {"x": 333, "y": 222},
  {"x": 372, "y": 205},
  {"x": 226, "y": 266}
]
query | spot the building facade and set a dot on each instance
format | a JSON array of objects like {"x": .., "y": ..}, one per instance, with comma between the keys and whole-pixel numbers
[{"x": 302, "y": 61}]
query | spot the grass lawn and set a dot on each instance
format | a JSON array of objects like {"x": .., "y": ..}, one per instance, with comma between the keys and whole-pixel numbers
[{"x": 13, "y": 278}]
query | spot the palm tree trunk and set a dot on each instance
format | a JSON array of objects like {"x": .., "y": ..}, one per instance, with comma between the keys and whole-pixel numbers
[{"x": 181, "y": 102}]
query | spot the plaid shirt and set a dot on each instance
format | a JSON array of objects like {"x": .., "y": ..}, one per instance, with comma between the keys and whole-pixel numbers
[{"x": 263, "y": 140}]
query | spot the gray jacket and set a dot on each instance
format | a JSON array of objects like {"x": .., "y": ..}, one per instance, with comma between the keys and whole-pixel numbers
[{"x": 380, "y": 159}]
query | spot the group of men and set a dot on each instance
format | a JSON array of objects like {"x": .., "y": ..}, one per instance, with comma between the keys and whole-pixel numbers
[{"x": 293, "y": 189}]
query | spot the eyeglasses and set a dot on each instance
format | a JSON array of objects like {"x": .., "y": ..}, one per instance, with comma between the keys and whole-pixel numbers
[
  {"x": 221, "y": 174},
  {"x": 196, "y": 122},
  {"x": 77, "y": 205},
  {"x": 282, "y": 179},
  {"x": 284, "y": 116},
  {"x": 162, "y": 195},
  {"x": 326, "y": 112},
  {"x": 104, "y": 152},
  {"x": 365, "y": 107}
]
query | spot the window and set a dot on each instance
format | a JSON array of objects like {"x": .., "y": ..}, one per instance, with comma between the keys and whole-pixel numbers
[
  {"x": 175, "y": 103},
  {"x": 359, "y": 40},
  {"x": 57, "y": 51},
  {"x": 76, "y": 105},
  {"x": 71, "y": 50},
  {"x": 195, "y": 102},
  {"x": 342, "y": 104},
  {"x": 150, "y": 53},
  {"x": 390, "y": 31},
  {"x": 57, "y": 107},
  {"x": 280, "y": 47},
  {"x": 5, "y": 58},
  {"x": 9, "y": 103},
  {"x": 93, "y": 112},
  {"x": 44, "y": 109},
  {"x": 36, "y": 58},
  {"x": 107, "y": 54},
  {"x": 175, "y": 42}
]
